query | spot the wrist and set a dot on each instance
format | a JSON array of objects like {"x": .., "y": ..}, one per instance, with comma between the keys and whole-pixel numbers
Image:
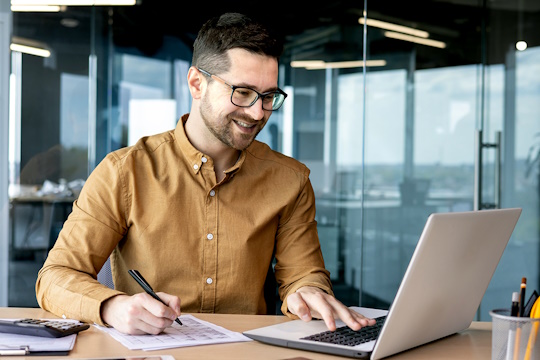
[{"x": 106, "y": 311}]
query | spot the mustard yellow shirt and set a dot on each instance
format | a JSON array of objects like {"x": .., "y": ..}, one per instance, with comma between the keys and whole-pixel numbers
[{"x": 156, "y": 207}]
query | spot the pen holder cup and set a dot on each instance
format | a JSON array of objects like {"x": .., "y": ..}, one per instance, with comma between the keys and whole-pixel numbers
[{"x": 514, "y": 338}]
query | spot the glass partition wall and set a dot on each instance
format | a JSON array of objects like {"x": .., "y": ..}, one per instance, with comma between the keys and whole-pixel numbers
[
  {"x": 399, "y": 110},
  {"x": 51, "y": 117}
]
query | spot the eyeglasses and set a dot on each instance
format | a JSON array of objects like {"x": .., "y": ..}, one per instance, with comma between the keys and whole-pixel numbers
[{"x": 246, "y": 97}]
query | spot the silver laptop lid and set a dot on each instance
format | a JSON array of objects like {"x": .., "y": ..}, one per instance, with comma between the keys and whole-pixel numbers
[
  {"x": 447, "y": 277},
  {"x": 439, "y": 295}
]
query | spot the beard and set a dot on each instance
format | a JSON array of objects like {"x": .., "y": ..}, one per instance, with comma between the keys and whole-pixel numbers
[{"x": 223, "y": 128}]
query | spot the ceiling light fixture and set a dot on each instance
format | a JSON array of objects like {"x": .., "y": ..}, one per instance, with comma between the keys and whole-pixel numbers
[
  {"x": 35, "y": 8},
  {"x": 394, "y": 27},
  {"x": 306, "y": 63},
  {"x": 74, "y": 2},
  {"x": 319, "y": 64},
  {"x": 521, "y": 45},
  {"x": 30, "y": 50},
  {"x": 417, "y": 40}
]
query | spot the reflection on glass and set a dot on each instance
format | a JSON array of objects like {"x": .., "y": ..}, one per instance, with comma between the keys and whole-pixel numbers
[{"x": 49, "y": 144}]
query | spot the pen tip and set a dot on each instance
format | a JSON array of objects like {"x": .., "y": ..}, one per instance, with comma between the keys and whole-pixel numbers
[{"x": 524, "y": 280}]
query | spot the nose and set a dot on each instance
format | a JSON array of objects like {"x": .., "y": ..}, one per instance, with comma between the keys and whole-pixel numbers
[{"x": 256, "y": 111}]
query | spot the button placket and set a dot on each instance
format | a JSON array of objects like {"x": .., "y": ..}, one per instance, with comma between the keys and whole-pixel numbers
[{"x": 209, "y": 294}]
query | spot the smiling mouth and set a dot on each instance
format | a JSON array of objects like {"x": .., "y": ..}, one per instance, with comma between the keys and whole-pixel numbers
[{"x": 243, "y": 124}]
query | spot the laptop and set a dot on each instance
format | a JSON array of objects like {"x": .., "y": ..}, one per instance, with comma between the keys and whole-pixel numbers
[{"x": 439, "y": 295}]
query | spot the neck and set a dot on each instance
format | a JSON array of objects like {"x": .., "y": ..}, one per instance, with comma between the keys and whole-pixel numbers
[
  {"x": 222, "y": 155},
  {"x": 224, "y": 161}
]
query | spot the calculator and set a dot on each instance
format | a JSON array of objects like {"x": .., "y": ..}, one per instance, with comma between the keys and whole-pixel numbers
[{"x": 41, "y": 327}]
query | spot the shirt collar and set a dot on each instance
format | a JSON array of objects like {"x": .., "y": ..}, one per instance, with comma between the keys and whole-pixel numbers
[{"x": 196, "y": 158}]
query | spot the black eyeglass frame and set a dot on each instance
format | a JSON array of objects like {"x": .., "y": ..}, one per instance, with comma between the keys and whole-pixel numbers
[{"x": 259, "y": 95}]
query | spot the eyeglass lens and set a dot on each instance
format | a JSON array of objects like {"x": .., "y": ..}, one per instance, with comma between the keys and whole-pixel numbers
[{"x": 247, "y": 97}]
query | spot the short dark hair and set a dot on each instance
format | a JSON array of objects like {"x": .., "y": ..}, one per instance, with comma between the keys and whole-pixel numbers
[{"x": 229, "y": 31}]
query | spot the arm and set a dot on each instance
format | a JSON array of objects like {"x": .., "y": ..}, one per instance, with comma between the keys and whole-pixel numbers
[
  {"x": 305, "y": 283},
  {"x": 67, "y": 284}
]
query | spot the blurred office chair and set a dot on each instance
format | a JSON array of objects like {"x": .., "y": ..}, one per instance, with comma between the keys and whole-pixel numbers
[
  {"x": 105, "y": 275},
  {"x": 271, "y": 294}
]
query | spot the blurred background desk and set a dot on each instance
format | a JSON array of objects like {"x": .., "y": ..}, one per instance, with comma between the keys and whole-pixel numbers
[
  {"x": 35, "y": 222},
  {"x": 473, "y": 343}
]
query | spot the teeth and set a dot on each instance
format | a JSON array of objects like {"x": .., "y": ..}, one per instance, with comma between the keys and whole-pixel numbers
[{"x": 243, "y": 124}]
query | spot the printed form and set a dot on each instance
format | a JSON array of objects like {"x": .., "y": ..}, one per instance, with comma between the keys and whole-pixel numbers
[{"x": 193, "y": 332}]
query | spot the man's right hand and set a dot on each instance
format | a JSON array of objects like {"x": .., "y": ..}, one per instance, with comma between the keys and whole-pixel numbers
[{"x": 140, "y": 313}]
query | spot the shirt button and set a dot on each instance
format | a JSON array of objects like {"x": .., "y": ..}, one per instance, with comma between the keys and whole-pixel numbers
[
  {"x": 209, "y": 236},
  {"x": 209, "y": 281},
  {"x": 195, "y": 166},
  {"x": 203, "y": 159},
  {"x": 212, "y": 193}
]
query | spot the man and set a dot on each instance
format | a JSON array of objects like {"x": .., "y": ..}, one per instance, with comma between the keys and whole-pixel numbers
[{"x": 200, "y": 210}]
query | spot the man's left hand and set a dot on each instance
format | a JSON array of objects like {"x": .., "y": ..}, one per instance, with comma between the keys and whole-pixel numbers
[{"x": 310, "y": 302}]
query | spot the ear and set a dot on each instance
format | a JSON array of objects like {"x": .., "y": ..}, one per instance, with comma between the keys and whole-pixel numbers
[{"x": 195, "y": 82}]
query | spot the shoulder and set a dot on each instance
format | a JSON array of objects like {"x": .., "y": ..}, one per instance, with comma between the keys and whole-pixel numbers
[
  {"x": 263, "y": 156},
  {"x": 145, "y": 147}
]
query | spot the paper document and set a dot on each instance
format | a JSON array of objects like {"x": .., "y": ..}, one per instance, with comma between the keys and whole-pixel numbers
[
  {"x": 36, "y": 343},
  {"x": 193, "y": 332}
]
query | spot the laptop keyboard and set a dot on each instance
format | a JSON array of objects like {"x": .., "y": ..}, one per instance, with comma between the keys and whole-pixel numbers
[{"x": 346, "y": 336}]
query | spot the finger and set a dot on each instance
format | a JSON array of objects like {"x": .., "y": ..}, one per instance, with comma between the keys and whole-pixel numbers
[
  {"x": 353, "y": 319},
  {"x": 136, "y": 318},
  {"x": 364, "y": 321},
  {"x": 346, "y": 315},
  {"x": 142, "y": 327},
  {"x": 156, "y": 313},
  {"x": 172, "y": 301},
  {"x": 298, "y": 306},
  {"x": 319, "y": 302}
]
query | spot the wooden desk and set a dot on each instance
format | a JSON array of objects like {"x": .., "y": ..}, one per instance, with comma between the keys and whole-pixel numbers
[{"x": 474, "y": 343}]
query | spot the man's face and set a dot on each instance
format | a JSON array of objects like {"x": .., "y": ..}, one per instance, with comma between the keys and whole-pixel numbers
[{"x": 236, "y": 126}]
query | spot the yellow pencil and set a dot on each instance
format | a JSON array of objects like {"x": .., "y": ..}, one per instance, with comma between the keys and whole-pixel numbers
[
  {"x": 516, "y": 343},
  {"x": 535, "y": 313}
]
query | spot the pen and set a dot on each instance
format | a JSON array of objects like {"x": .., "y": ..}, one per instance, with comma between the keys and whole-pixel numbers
[
  {"x": 512, "y": 332},
  {"x": 515, "y": 304},
  {"x": 520, "y": 314},
  {"x": 522, "y": 296},
  {"x": 146, "y": 286}
]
